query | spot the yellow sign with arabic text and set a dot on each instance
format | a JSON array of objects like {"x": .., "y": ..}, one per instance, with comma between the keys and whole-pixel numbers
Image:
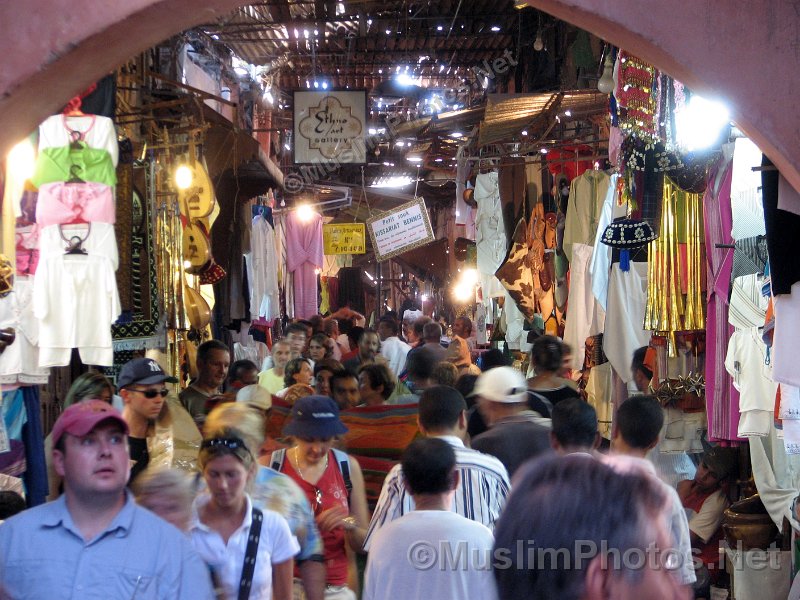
[{"x": 344, "y": 238}]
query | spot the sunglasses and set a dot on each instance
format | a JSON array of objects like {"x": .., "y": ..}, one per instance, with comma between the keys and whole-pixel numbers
[
  {"x": 231, "y": 443},
  {"x": 151, "y": 393}
]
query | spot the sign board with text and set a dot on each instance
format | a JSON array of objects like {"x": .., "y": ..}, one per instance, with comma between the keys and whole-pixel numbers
[
  {"x": 329, "y": 127},
  {"x": 344, "y": 238},
  {"x": 400, "y": 230}
]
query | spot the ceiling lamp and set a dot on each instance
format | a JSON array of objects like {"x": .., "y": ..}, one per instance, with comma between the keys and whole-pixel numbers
[
  {"x": 701, "y": 123},
  {"x": 606, "y": 82}
]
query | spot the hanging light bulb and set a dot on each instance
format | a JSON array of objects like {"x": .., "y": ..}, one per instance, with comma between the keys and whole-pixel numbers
[
  {"x": 538, "y": 43},
  {"x": 606, "y": 82},
  {"x": 305, "y": 212},
  {"x": 183, "y": 177}
]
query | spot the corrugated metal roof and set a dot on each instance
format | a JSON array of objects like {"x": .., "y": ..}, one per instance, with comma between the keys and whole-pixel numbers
[{"x": 507, "y": 116}]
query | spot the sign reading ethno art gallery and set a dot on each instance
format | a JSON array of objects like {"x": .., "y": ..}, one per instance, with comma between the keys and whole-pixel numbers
[
  {"x": 400, "y": 230},
  {"x": 329, "y": 127},
  {"x": 341, "y": 238}
]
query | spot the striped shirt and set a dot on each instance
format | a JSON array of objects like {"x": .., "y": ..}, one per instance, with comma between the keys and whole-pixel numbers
[{"x": 481, "y": 494}]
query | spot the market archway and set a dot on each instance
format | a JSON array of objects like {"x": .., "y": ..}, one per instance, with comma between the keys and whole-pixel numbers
[{"x": 748, "y": 58}]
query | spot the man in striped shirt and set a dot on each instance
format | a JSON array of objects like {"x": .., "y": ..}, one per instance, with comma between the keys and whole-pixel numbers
[{"x": 484, "y": 484}]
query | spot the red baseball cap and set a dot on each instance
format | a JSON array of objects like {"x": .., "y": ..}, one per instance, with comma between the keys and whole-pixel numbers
[{"x": 79, "y": 419}]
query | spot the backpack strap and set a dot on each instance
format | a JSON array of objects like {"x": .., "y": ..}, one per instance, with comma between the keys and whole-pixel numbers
[
  {"x": 343, "y": 461},
  {"x": 277, "y": 458}
]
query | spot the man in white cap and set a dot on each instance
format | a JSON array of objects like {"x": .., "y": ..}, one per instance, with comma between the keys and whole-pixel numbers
[
  {"x": 516, "y": 433},
  {"x": 94, "y": 541}
]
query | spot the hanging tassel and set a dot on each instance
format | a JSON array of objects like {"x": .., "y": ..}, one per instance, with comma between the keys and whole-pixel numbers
[{"x": 625, "y": 260}]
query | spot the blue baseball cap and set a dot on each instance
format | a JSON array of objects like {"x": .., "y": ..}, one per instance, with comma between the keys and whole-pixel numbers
[{"x": 144, "y": 371}]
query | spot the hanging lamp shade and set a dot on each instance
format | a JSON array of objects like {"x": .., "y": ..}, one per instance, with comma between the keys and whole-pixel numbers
[{"x": 627, "y": 235}]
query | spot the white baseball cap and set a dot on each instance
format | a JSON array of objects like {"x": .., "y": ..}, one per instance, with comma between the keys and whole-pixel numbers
[{"x": 502, "y": 384}]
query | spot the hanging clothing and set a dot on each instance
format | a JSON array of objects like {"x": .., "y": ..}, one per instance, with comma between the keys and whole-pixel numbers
[
  {"x": 601, "y": 257},
  {"x": 746, "y": 205},
  {"x": 512, "y": 182},
  {"x": 75, "y": 297},
  {"x": 19, "y": 362},
  {"x": 785, "y": 343},
  {"x": 303, "y": 256},
  {"x": 599, "y": 392},
  {"x": 587, "y": 194},
  {"x": 749, "y": 256},
  {"x": 97, "y": 132},
  {"x": 627, "y": 300},
  {"x": 61, "y": 163},
  {"x": 585, "y": 316},
  {"x": 748, "y": 306},
  {"x": 788, "y": 197},
  {"x": 262, "y": 271},
  {"x": 783, "y": 242},
  {"x": 33, "y": 438},
  {"x": 61, "y": 202},
  {"x": 516, "y": 336},
  {"x": 490, "y": 233},
  {"x": 13, "y": 417},
  {"x": 722, "y": 399},
  {"x": 747, "y": 364},
  {"x": 351, "y": 289}
]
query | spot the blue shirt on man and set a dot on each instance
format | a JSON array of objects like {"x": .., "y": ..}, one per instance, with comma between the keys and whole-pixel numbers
[{"x": 44, "y": 555}]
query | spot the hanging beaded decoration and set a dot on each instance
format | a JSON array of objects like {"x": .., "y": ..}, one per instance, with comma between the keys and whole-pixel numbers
[{"x": 636, "y": 97}]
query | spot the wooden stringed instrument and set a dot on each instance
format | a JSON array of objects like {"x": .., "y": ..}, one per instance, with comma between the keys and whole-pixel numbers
[{"x": 196, "y": 201}]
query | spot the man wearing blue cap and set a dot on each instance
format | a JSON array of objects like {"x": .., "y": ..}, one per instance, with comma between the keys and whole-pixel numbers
[{"x": 94, "y": 542}]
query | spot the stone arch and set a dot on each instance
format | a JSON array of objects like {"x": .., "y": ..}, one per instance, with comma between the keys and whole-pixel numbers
[
  {"x": 52, "y": 50},
  {"x": 746, "y": 55}
]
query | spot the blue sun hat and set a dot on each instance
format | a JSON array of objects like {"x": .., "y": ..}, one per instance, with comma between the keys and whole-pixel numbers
[{"x": 315, "y": 417}]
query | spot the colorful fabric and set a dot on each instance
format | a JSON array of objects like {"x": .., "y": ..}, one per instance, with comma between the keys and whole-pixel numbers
[
  {"x": 62, "y": 163},
  {"x": 380, "y": 431},
  {"x": 138, "y": 327},
  {"x": 74, "y": 203},
  {"x": 12, "y": 462},
  {"x": 278, "y": 417}
]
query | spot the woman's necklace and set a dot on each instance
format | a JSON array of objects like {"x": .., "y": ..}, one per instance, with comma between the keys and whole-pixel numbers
[
  {"x": 317, "y": 491},
  {"x": 300, "y": 472}
]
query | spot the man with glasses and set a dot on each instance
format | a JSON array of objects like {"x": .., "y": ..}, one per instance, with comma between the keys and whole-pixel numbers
[{"x": 149, "y": 417}]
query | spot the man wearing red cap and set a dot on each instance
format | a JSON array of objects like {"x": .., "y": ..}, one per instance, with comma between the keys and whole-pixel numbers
[{"x": 94, "y": 541}]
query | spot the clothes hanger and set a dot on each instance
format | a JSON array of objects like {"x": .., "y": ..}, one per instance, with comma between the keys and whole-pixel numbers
[
  {"x": 75, "y": 243},
  {"x": 74, "y": 177}
]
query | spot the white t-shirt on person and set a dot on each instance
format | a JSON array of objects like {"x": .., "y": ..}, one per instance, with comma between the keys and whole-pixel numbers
[
  {"x": 431, "y": 554},
  {"x": 276, "y": 545}
]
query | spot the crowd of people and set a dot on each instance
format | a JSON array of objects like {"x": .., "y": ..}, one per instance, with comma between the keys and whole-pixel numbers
[{"x": 506, "y": 492}]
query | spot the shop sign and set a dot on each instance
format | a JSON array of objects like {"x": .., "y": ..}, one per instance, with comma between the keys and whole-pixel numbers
[
  {"x": 400, "y": 230},
  {"x": 341, "y": 238},
  {"x": 329, "y": 127}
]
